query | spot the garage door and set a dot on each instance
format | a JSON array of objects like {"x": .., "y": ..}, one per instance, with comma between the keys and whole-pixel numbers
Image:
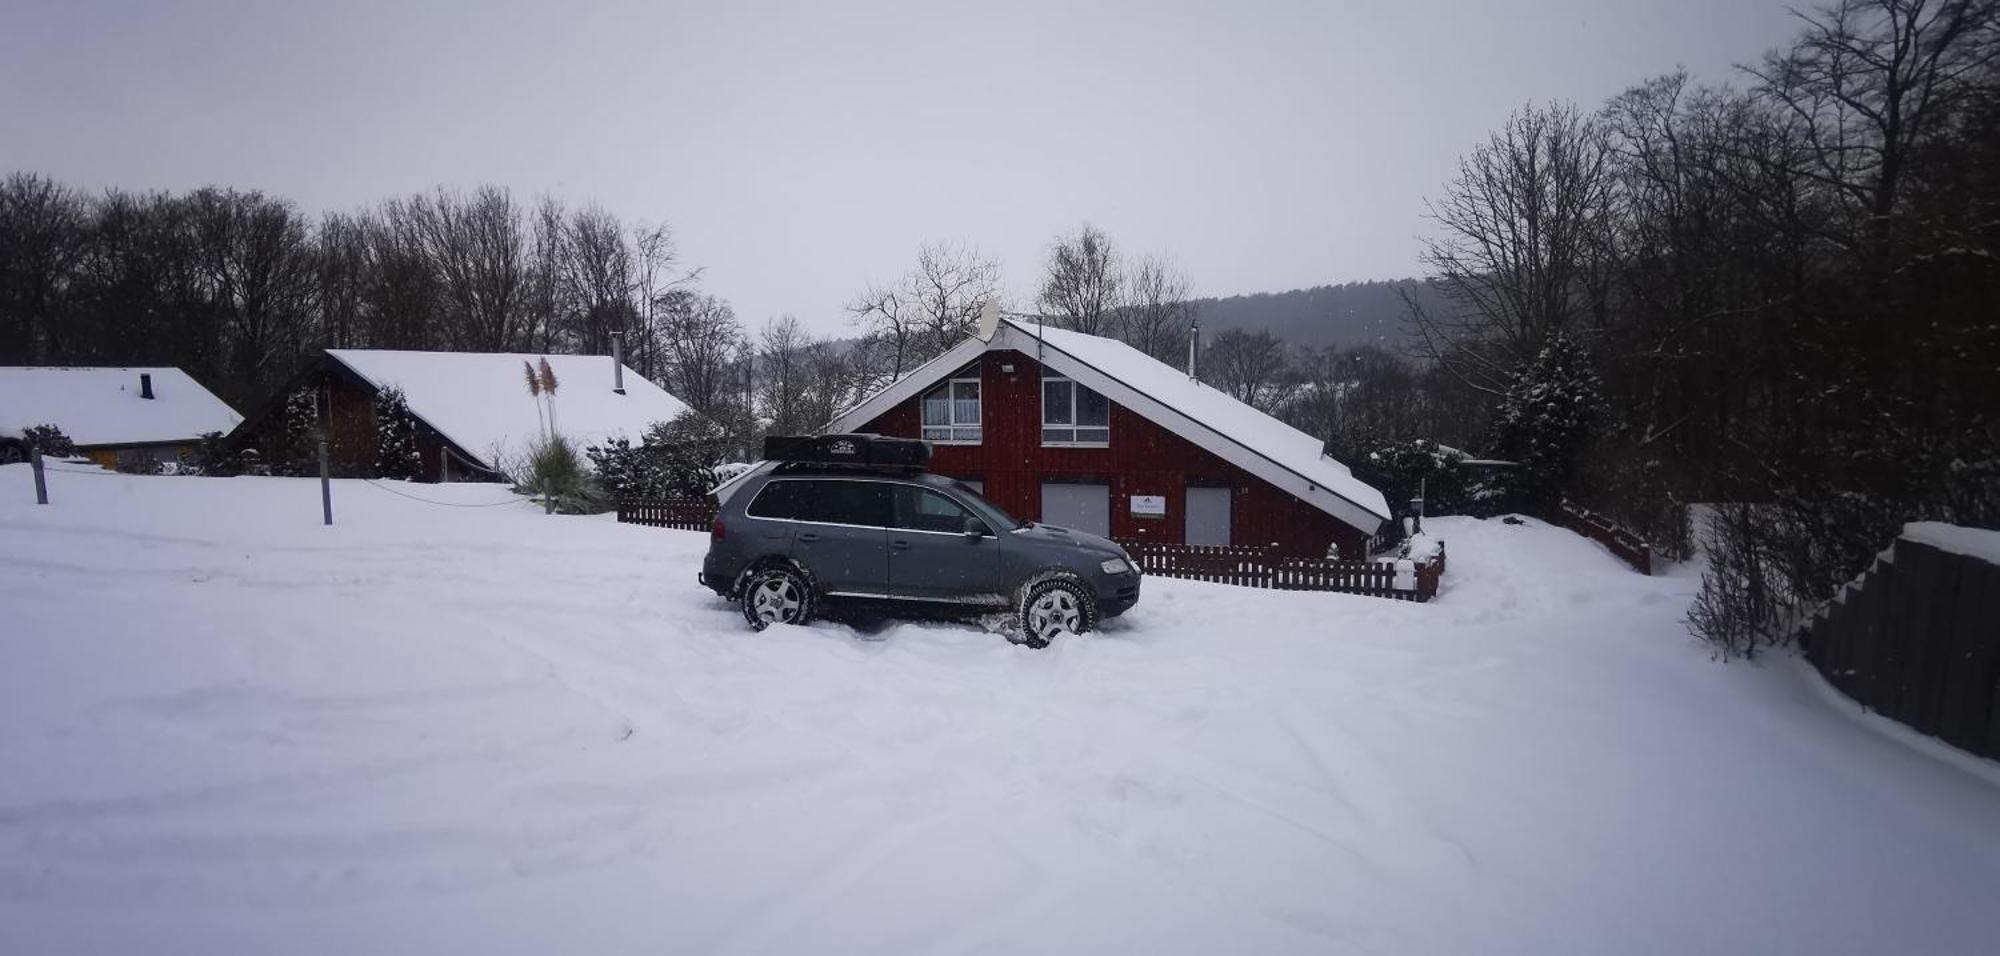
[
  {"x": 1208, "y": 516},
  {"x": 1082, "y": 507}
]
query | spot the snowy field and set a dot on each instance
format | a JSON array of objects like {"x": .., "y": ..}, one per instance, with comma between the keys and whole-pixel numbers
[{"x": 428, "y": 729}]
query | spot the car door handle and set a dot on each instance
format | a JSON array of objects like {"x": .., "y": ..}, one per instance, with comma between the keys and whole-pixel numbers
[
  {"x": 900, "y": 545},
  {"x": 808, "y": 537}
]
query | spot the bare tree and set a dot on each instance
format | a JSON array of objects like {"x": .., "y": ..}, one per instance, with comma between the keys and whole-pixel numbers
[
  {"x": 1158, "y": 313},
  {"x": 593, "y": 280},
  {"x": 929, "y": 310},
  {"x": 655, "y": 279},
  {"x": 1082, "y": 288},
  {"x": 41, "y": 241},
  {"x": 481, "y": 254},
  {"x": 1522, "y": 250},
  {"x": 1247, "y": 366},
  {"x": 701, "y": 342},
  {"x": 1868, "y": 81},
  {"x": 781, "y": 354},
  {"x": 257, "y": 272}
]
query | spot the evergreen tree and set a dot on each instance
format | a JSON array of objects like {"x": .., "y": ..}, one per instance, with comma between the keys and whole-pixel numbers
[
  {"x": 395, "y": 436},
  {"x": 301, "y": 425},
  {"x": 1550, "y": 413}
]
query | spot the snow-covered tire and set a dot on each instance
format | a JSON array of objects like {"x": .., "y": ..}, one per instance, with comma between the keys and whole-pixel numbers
[
  {"x": 1054, "y": 607},
  {"x": 777, "y": 595}
]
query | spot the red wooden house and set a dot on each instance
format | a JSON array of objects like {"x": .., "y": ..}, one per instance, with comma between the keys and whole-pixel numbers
[{"x": 1090, "y": 433}]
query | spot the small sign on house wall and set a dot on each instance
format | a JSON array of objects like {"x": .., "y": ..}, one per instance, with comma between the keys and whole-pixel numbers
[{"x": 1149, "y": 506}]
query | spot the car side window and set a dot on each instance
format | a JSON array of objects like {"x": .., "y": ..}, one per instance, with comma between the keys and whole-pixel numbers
[
  {"x": 921, "y": 509},
  {"x": 778, "y": 501},
  {"x": 863, "y": 503}
]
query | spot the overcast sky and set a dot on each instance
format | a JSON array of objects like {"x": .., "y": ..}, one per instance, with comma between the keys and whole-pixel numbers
[{"x": 801, "y": 150}]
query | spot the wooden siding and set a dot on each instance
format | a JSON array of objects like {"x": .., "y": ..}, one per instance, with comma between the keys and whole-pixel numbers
[
  {"x": 351, "y": 435},
  {"x": 1142, "y": 459}
]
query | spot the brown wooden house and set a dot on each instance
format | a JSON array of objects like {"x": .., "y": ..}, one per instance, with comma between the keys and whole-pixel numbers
[{"x": 475, "y": 419}]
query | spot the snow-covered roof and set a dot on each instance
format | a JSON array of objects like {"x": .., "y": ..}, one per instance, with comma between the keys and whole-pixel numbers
[
  {"x": 480, "y": 400},
  {"x": 101, "y": 406},
  {"x": 1232, "y": 430}
]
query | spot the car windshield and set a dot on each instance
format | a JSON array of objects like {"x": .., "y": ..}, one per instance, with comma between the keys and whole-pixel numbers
[{"x": 994, "y": 514}]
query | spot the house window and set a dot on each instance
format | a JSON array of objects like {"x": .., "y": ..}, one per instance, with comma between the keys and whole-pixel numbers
[
  {"x": 1073, "y": 414},
  {"x": 951, "y": 412}
]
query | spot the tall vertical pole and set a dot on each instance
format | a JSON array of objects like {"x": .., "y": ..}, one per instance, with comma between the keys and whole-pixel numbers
[
  {"x": 1194, "y": 348},
  {"x": 325, "y": 485},
  {"x": 41, "y": 482}
]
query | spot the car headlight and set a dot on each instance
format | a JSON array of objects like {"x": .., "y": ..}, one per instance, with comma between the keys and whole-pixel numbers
[{"x": 1115, "y": 566}]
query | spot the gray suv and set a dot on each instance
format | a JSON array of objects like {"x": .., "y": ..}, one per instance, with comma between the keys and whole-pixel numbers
[{"x": 789, "y": 535}]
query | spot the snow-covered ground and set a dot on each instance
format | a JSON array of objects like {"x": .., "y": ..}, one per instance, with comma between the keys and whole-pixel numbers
[{"x": 429, "y": 729}]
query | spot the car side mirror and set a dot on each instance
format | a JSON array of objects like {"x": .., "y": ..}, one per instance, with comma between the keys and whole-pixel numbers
[{"x": 975, "y": 529}]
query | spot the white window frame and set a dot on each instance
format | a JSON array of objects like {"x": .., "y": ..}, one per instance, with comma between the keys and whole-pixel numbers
[
  {"x": 1075, "y": 387},
  {"x": 955, "y": 427}
]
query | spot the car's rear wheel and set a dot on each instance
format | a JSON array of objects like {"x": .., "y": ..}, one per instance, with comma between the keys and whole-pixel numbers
[
  {"x": 1056, "y": 607},
  {"x": 777, "y": 596}
]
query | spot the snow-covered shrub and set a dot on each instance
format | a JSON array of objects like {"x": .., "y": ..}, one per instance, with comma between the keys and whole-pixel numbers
[
  {"x": 49, "y": 439},
  {"x": 214, "y": 457},
  {"x": 1405, "y": 469},
  {"x": 297, "y": 450},
  {"x": 554, "y": 468},
  {"x": 676, "y": 459},
  {"x": 1549, "y": 415},
  {"x": 395, "y": 436}
]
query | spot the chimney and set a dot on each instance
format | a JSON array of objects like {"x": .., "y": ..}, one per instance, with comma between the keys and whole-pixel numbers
[
  {"x": 145, "y": 385},
  {"x": 1194, "y": 348},
  {"x": 618, "y": 362}
]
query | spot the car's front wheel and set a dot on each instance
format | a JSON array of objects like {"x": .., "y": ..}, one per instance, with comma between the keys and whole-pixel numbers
[
  {"x": 1056, "y": 607},
  {"x": 777, "y": 596}
]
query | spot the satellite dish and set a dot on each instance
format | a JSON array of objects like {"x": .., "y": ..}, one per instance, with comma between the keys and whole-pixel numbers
[{"x": 989, "y": 320}]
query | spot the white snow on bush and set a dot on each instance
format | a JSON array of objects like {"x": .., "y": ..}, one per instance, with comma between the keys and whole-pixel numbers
[
  {"x": 480, "y": 400},
  {"x": 102, "y": 406},
  {"x": 464, "y": 727}
]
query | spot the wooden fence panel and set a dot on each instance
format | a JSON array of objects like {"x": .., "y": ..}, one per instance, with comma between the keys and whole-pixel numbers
[
  {"x": 682, "y": 514},
  {"x": 1625, "y": 545},
  {"x": 1917, "y": 639}
]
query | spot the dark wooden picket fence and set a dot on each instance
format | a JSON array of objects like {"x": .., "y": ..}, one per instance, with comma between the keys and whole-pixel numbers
[
  {"x": 1917, "y": 639},
  {"x": 1262, "y": 567},
  {"x": 1628, "y": 547},
  {"x": 681, "y": 514}
]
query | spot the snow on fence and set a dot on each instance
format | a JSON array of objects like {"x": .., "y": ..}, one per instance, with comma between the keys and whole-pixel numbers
[
  {"x": 1917, "y": 636},
  {"x": 681, "y": 514},
  {"x": 1628, "y": 547},
  {"x": 1264, "y": 567}
]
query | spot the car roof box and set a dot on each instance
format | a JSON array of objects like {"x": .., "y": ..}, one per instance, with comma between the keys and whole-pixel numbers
[{"x": 862, "y": 450}]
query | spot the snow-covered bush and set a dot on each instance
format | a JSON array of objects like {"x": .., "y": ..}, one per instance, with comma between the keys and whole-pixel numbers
[
  {"x": 676, "y": 459},
  {"x": 395, "y": 436},
  {"x": 49, "y": 439},
  {"x": 554, "y": 468},
  {"x": 1550, "y": 414},
  {"x": 214, "y": 457}
]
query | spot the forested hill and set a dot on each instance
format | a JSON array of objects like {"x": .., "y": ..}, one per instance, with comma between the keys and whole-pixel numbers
[{"x": 1350, "y": 314}]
